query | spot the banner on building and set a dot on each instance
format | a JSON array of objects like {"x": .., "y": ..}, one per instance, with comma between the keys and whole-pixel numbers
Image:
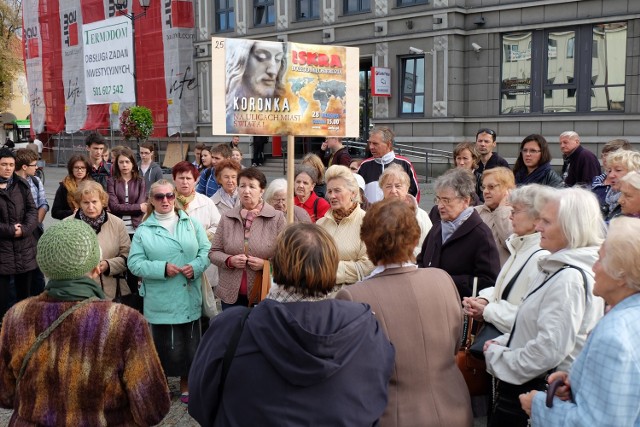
[
  {"x": 275, "y": 88},
  {"x": 75, "y": 108},
  {"x": 33, "y": 63},
  {"x": 108, "y": 61}
]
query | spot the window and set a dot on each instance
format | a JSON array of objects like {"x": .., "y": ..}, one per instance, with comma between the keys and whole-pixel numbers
[
  {"x": 412, "y": 85},
  {"x": 307, "y": 9},
  {"x": 356, "y": 6},
  {"x": 411, "y": 2},
  {"x": 264, "y": 12},
  {"x": 225, "y": 15},
  {"x": 580, "y": 69}
]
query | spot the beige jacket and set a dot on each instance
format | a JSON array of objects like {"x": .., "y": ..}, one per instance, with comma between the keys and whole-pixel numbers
[
  {"x": 229, "y": 241},
  {"x": 354, "y": 263},
  {"x": 419, "y": 311},
  {"x": 500, "y": 224}
]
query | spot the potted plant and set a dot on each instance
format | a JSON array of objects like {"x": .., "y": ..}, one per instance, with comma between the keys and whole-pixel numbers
[{"x": 136, "y": 122}]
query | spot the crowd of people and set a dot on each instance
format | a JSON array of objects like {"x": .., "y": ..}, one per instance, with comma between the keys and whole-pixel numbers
[{"x": 368, "y": 295}]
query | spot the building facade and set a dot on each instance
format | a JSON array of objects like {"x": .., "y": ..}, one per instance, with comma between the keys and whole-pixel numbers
[{"x": 518, "y": 67}]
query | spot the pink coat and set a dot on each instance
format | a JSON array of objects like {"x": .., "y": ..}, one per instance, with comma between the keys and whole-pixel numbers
[{"x": 229, "y": 241}]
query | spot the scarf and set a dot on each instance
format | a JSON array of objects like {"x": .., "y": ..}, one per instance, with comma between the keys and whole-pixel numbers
[
  {"x": 534, "y": 177},
  {"x": 611, "y": 199},
  {"x": 183, "y": 201},
  {"x": 71, "y": 185},
  {"x": 449, "y": 227},
  {"x": 229, "y": 199},
  {"x": 340, "y": 214},
  {"x": 386, "y": 159},
  {"x": 247, "y": 220},
  {"x": 95, "y": 223},
  {"x": 74, "y": 289},
  {"x": 7, "y": 181},
  {"x": 288, "y": 294}
]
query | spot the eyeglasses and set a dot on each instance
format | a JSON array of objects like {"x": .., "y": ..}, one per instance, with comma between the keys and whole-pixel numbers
[
  {"x": 79, "y": 168},
  {"x": 35, "y": 165},
  {"x": 525, "y": 152},
  {"x": 486, "y": 130},
  {"x": 446, "y": 201},
  {"x": 161, "y": 196},
  {"x": 489, "y": 187}
]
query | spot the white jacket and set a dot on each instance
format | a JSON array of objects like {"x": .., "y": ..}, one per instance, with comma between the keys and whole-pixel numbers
[
  {"x": 552, "y": 322},
  {"x": 203, "y": 209},
  {"x": 501, "y": 313},
  {"x": 423, "y": 221}
]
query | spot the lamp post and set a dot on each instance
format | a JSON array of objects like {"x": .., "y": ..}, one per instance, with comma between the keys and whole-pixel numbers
[{"x": 120, "y": 6}]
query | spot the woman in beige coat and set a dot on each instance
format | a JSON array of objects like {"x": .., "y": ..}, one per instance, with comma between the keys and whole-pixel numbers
[
  {"x": 245, "y": 238},
  {"x": 424, "y": 323},
  {"x": 112, "y": 236}
]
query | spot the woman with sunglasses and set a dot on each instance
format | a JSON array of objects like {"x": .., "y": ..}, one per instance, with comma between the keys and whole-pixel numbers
[
  {"x": 534, "y": 163},
  {"x": 169, "y": 252}
]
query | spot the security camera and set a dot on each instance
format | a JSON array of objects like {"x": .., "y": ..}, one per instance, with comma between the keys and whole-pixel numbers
[
  {"x": 476, "y": 47},
  {"x": 416, "y": 51}
]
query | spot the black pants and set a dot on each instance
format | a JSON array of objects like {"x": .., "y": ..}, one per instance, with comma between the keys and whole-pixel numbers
[
  {"x": 507, "y": 411},
  {"x": 258, "y": 149},
  {"x": 14, "y": 288}
]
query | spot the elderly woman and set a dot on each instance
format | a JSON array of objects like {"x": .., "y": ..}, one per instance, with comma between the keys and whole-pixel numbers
[
  {"x": 112, "y": 236},
  {"x": 169, "y": 252},
  {"x": 245, "y": 239},
  {"x": 284, "y": 338},
  {"x": 630, "y": 194},
  {"x": 305, "y": 197},
  {"x": 226, "y": 198},
  {"x": 343, "y": 222},
  {"x": 64, "y": 203},
  {"x": 604, "y": 385},
  {"x": 394, "y": 183},
  {"x": 619, "y": 163},
  {"x": 127, "y": 191},
  {"x": 495, "y": 212},
  {"x": 276, "y": 196},
  {"x": 315, "y": 162},
  {"x": 98, "y": 366},
  {"x": 497, "y": 305},
  {"x": 533, "y": 165},
  {"x": 461, "y": 244},
  {"x": 426, "y": 388},
  {"x": 559, "y": 310}
]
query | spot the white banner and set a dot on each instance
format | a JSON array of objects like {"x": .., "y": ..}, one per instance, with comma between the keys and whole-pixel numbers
[
  {"x": 179, "y": 69},
  {"x": 75, "y": 106},
  {"x": 108, "y": 61},
  {"x": 33, "y": 53}
]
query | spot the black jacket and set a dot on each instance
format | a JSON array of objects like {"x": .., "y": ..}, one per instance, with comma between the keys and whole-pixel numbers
[{"x": 17, "y": 255}]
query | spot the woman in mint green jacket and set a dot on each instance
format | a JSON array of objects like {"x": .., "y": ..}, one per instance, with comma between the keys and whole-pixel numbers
[{"x": 169, "y": 252}]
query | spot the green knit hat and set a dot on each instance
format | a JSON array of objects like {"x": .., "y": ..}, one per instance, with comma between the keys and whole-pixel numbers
[{"x": 68, "y": 250}]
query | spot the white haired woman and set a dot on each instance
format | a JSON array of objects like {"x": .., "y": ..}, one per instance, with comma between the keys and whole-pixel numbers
[
  {"x": 343, "y": 222},
  {"x": 497, "y": 305},
  {"x": 558, "y": 311},
  {"x": 604, "y": 385},
  {"x": 276, "y": 196},
  {"x": 395, "y": 183},
  {"x": 619, "y": 163},
  {"x": 630, "y": 194}
]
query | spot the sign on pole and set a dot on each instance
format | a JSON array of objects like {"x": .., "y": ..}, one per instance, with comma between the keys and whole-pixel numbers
[
  {"x": 108, "y": 61},
  {"x": 275, "y": 88}
]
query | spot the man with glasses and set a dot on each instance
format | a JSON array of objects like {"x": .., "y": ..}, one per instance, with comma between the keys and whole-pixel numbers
[
  {"x": 580, "y": 166},
  {"x": 18, "y": 222},
  {"x": 381, "y": 147},
  {"x": 95, "y": 146},
  {"x": 485, "y": 144}
]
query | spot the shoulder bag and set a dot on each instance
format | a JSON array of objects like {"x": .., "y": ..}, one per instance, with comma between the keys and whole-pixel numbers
[
  {"x": 261, "y": 284},
  {"x": 473, "y": 370}
]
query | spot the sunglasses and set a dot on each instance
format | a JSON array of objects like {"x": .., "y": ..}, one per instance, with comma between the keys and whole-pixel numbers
[
  {"x": 160, "y": 197},
  {"x": 487, "y": 131}
]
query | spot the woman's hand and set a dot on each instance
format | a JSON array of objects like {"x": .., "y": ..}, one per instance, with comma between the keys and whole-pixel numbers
[
  {"x": 187, "y": 270},
  {"x": 172, "y": 269},
  {"x": 564, "y": 391},
  {"x": 255, "y": 263},
  {"x": 104, "y": 265},
  {"x": 143, "y": 207},
  {"x": 474, "y": 307},
  {"x": 488, "y": 343},
  {"x": 238, "y": 261},
  {"x": 526, "y": 399}
]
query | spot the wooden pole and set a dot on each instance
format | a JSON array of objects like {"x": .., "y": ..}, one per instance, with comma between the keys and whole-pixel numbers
[{"x": 290, "y": 177}]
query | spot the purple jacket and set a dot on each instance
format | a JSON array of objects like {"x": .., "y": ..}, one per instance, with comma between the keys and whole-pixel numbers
[
  {"x": 580, "y": 167},
  {"x": 137, "y": 196}
]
